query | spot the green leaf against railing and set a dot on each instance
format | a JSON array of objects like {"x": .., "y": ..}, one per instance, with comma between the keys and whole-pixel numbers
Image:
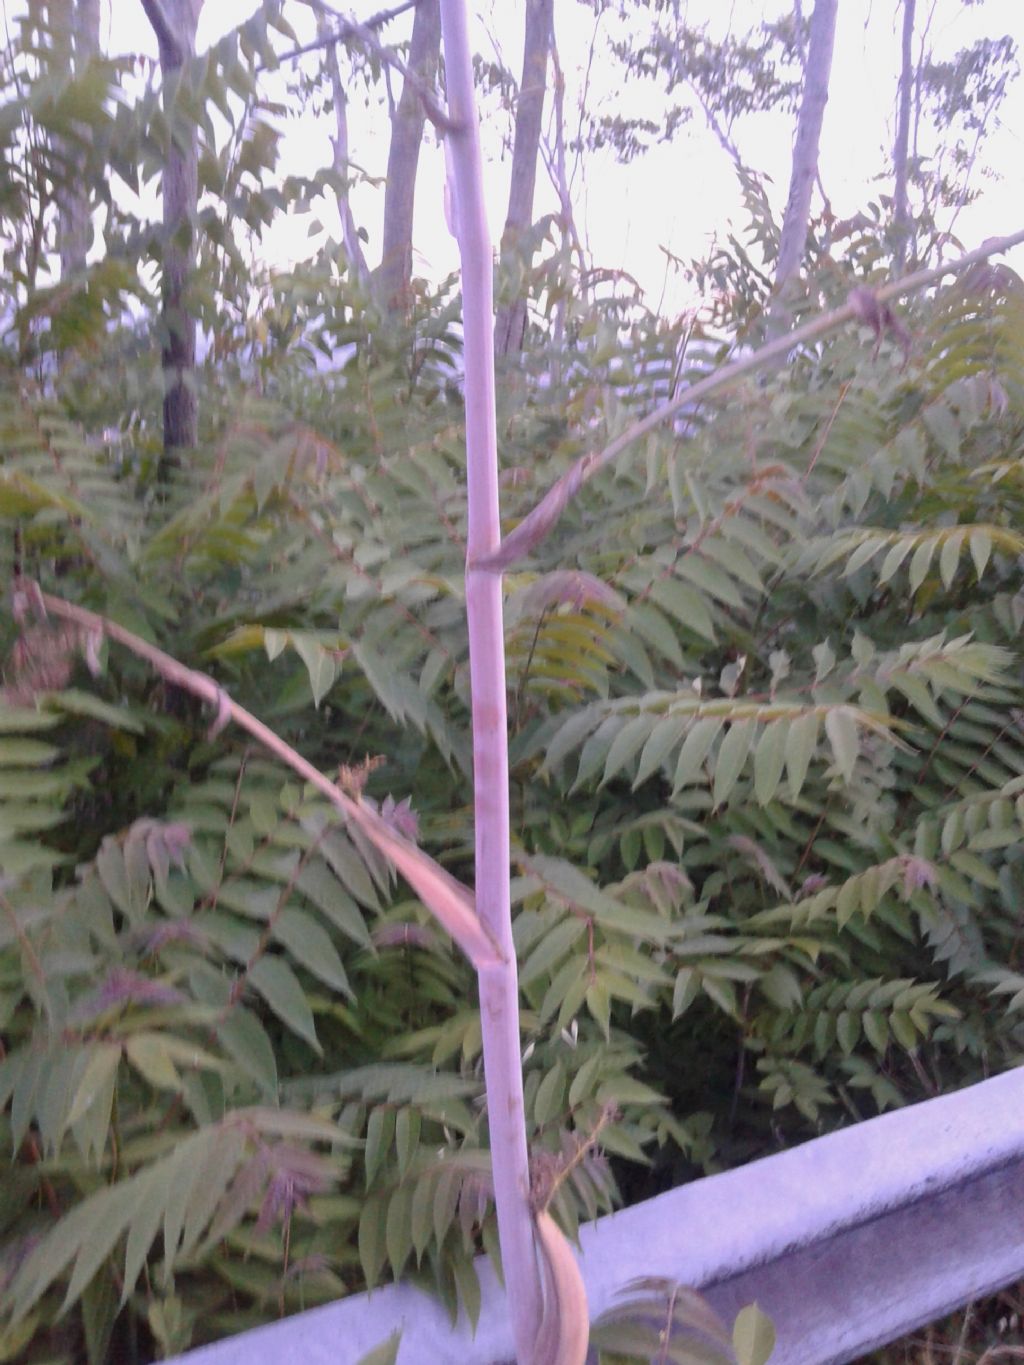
[
  {"x": 443, "y": 1197},
  {"x": 658, "y": 1319},
  {"x": 384, "y": 1354},
  {"x": 753, "y": 1336}
]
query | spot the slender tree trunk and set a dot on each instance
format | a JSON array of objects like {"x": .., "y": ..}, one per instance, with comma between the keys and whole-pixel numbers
[
  {"x": 558, "y": 169},
  {"x": 499, "y": 990},
  {"x": 510, "y": 325},
  {"x": 175, "y": 23},
  {"x": 74, "y": 225},
  {"x": 403, "y": 158},
  {"x": 349, "y": 233},
  {"x": 805, "y": 155},
  {"x": 900, "y": 215}
]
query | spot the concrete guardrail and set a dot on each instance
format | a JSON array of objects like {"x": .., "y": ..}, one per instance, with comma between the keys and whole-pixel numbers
[{"x": 847, "y": 1242}]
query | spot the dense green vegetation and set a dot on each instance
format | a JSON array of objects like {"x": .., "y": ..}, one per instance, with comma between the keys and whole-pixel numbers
[{"x": 768, "y": 780}]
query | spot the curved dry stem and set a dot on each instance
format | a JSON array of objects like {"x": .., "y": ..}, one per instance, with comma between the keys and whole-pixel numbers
[{"x": 451, "y": 903}]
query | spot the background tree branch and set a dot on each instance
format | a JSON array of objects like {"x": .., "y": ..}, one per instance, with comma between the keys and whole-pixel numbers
[
  {"x": 170, "y": 49},
  {"x": 539, "y": 522}
]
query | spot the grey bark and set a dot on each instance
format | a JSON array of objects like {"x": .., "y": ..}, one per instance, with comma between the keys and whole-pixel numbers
[
  {"x": 74, "y": 224},
  {"x": 349, "y": 233},
  {"x": 510, "y": 324},
  {"x": 175, "y": 23},
  {"x": 403, "y": 158},
  {"x": 805, "y": 155},
  {"x": 901, "y": 217}
]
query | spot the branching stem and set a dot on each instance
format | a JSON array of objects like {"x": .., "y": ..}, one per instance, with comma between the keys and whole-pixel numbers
[{"x": 539, "y": 522}]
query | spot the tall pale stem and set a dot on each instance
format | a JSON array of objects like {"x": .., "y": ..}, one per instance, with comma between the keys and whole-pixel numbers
[
  {"x": 901, "y": 217},
  {"x": 499, "y": 990}
]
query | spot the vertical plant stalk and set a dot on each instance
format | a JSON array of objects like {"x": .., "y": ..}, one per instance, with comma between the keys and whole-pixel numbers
[
  {"x": 339, "y": 143},
  {"x": 174, "y": 23},
  {"x": 499, "y": 984},
  {"x": 817, "y": 71},
  {"x": 556, "y": 162},
  {"x": 74, "y": 225},
  {"x": 901, "y": 214},
  {"x": 403, "y": 158},
  {"x": 510, "y": 325}
]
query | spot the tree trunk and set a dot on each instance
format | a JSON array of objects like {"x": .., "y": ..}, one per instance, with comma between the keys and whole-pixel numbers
[
  {"x": 349, "y": 232},
  {"x": 403, "y": 158},
  {"x": 175, "y": 23},
  {"x": 510, "y": 325},
  {"x": 74, "y": 224},
  {"x": 900, "y": 215},
  {"x": 805, "y": 156},
  {"x": 558, "y": 169}
]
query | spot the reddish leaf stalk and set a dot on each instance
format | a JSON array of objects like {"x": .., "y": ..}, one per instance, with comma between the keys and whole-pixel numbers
[{"x": 499, "y": 988}]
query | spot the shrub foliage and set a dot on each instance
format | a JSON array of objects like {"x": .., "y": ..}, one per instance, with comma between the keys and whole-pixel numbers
[
  {"x": 768, "y": 795},
  {"x": 768, "y": 784}
]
